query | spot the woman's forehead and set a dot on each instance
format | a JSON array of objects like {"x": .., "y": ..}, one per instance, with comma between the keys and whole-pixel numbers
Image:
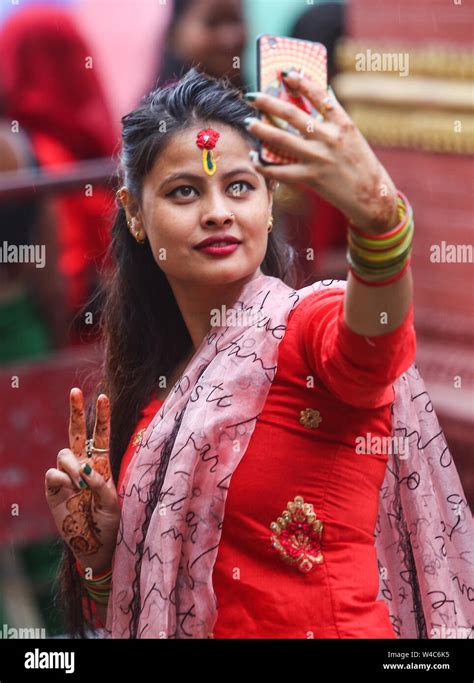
[
  {"x": 218, "y": 10},
  {"x": 182, "y": 152},
  {"x": 185, "y": 141}
]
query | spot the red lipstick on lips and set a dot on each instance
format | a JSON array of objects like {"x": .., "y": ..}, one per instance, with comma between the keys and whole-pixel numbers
[{"x": 218, "y": 245}]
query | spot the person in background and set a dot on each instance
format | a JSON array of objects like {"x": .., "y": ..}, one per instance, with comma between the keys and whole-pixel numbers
[
  {"x": 32, "y": 320},
  {"x": 208, "y": 34},
  {"x": 52, "y": 90}
]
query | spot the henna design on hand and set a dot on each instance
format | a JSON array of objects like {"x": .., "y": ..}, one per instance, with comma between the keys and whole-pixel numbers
[{"x": 79, "y": 527}]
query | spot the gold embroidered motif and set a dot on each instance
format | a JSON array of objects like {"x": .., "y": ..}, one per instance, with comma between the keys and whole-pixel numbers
[
  {"x": 138, "y": 437},
  {"x": 310, "y": 418},
  {"x": 297, "y": 536}
]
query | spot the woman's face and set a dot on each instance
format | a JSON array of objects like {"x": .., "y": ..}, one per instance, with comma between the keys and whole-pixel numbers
[
  {"x": 182, "y": 205},
  {"x": 211, "y": 32}
]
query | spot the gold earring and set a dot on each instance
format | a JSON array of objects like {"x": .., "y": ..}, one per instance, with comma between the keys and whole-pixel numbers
[
  {"x": 136, "y": 233},
  {"x": 270, "y": 224}
]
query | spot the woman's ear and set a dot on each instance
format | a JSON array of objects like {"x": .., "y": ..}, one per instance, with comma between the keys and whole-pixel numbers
[
  {"x": 125, "y": 199},
  {"x": 270, "y": 205},
  {"x": 272, "y": 186}
]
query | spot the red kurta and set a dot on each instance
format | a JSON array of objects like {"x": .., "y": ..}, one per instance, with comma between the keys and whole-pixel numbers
[{"x": 258, "y": 594}]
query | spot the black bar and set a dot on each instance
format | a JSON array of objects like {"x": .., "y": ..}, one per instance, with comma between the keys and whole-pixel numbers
[{"x": 316, "y": 660}]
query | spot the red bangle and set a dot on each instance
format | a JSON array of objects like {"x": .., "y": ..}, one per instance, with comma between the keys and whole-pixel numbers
[{"x": 82, "y": 572}]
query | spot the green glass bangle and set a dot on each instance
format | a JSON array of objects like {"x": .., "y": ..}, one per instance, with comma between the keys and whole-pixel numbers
[
  {"x": 378, "y": 265},
  {"x": 100, "y": 599},
  {"x": 369, "y": 268},
  {"x": 93, "y": 589},
  {"x": 380, "y": 278},
  {"x": 386, "y": 254},
  {"x": 380, "y": 245},
  {"x": 98, "y": 582},
  {"x": 379, "y": 274}
]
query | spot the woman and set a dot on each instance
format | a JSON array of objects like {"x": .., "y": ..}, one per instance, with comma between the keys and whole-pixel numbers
[
  {"x": 210, "y": 356},
  {"x": 207, "y": 34},
  {"x": 32, "y": 320}
]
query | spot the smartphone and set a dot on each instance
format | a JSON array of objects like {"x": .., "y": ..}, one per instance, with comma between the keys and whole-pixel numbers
[{"x": 280, "y": 53}]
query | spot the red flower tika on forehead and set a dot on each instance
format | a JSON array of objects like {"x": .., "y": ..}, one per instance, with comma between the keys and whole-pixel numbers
[{"x": 206, "y": 140}]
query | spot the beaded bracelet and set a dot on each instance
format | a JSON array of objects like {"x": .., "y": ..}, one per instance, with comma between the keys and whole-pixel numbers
[
  {"x": 99, "y": 587},
  {"x": 377, "y": 260}
]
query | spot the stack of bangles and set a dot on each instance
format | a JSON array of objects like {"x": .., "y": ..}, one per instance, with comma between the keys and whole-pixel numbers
[
  {"x": 97, "y": 588},
  {"x": 377, "y": 260}
]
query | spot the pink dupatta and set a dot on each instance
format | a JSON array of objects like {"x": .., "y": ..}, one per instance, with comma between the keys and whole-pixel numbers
[{"x": 162, "y": 576}]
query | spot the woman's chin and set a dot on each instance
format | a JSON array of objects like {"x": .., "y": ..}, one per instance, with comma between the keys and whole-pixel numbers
[{"x": 221, "y": 274}]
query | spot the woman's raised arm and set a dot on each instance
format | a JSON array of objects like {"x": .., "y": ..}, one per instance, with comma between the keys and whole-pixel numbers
[{"x": 334, "y": 159}]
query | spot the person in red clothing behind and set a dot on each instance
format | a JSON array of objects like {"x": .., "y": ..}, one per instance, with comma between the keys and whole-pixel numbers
[
  {"x": 52, "y": 90},
  {"x": 225, "y": 491}
]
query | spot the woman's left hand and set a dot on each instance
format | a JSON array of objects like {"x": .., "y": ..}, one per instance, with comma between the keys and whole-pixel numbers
[{"x": 333, "y": 157}]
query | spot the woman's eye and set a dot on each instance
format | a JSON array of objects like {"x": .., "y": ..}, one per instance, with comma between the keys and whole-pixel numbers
[
  {"x": 182, "y": 192},
  {"x": 236, "y": 188}
]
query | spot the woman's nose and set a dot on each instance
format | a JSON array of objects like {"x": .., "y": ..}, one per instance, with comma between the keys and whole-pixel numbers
[{"x": 218, "y": 218}]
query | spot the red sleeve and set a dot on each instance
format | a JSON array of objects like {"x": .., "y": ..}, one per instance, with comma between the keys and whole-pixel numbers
[{"x": 357, "y": 370}]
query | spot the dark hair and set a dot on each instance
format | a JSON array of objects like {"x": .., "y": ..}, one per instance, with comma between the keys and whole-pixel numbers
[
  {"x": 324, "y": 23},
  {"x": 145, "y": 336},
  {"x": 171, "y": 67}
]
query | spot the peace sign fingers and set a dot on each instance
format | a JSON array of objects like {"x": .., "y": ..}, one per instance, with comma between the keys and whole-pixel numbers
[
  {"x": 101, "y": 436},
  {"x": 77, "y": 422}
]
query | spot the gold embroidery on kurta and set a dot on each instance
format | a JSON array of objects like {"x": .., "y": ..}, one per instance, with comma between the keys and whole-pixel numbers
[
  {"x": 297, "y": 536},
  {"x": 137, "y": 440},
  {"x": 310, "y": 418}
]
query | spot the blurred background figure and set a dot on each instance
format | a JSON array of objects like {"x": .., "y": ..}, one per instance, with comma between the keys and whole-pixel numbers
[
  {"x": 209, "y": 34},
  {"x": 32, "y": 312},
  {"x": 52, "y": 90},
  {"x": 52, "y": 113}
]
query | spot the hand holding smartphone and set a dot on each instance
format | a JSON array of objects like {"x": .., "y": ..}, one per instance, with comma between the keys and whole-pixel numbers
[{"x": 274, "y": 55}]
